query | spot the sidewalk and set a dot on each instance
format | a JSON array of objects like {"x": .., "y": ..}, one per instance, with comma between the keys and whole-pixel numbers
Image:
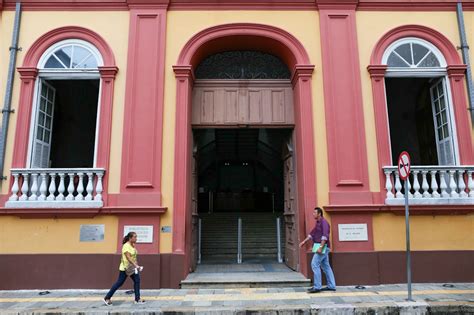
[{"x": 383, "y": 299}]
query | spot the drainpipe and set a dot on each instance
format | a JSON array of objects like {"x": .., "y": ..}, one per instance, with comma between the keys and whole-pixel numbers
[
  {"x": 6, "y": 111},
  {"x": 465, "y": 55}
]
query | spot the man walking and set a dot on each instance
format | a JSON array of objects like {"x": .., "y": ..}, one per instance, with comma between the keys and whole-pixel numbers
[{"x": 320, "y": 235}]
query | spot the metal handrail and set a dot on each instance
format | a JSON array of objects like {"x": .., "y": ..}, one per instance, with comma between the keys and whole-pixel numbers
[
  {"x": 239, "y": 241},
  {"x": 280, "y": 259},
  {"x": 199, "y": 240}
]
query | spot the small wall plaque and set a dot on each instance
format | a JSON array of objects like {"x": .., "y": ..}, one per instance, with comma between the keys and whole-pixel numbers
[
  {"x": 91, "y": 233},
  {"x": 353, "y": 232},
  {"x": 166, "y": 229},
  {"x": 144, "y": 232}
]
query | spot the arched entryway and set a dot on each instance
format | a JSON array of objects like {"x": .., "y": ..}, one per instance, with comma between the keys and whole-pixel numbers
[{"x": 242, "y": 37}]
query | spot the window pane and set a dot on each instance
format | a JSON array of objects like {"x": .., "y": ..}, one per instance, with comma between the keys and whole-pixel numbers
[
  {"x": 395, "y": 61},
  {"x": 41, "y": 119},
  {"x": 446, "y": 131},
  {"x": 48, "y": 122},
  {"x": 440, "y": 134},
  {"x": 65, "y": 55},
  {"x": 49, "y": 109},
  {"x": 405, "y": 52},
  {"x": 53, "y": 63},
  {"x": 39, "y": 133},
  {"x": 438, "y": 120},
  {"x": 437, "y": 109},
  {"x": 419, "y": 52},
  {"x": 46, "y": 136},
  {"x": 44, "y": 90},
  {"x": 443, "y": 117},
  {"x": 442, "y": 103},
  {"x": 80, "y": 56},
  {"x": 42, "y": 104},
  {"x": 430, "y": 61}
]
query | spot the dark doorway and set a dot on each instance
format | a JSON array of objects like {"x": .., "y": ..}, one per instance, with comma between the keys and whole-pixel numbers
[
  {"x": 240, "y": 174},
  {"x": 411, "y": 121},
  {"x": 74, "y": 123}
]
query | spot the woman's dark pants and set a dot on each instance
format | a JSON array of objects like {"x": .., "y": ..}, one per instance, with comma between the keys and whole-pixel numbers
[{"x": 121, "y": 279}]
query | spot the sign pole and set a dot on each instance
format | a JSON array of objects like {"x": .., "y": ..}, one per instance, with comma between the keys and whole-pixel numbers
[{"x": 407, "y": 224}]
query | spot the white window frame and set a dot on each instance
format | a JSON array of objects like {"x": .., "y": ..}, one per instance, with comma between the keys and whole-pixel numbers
[
  {"x": 65, "y": 74},
  {"x": 422, "y": 72}
]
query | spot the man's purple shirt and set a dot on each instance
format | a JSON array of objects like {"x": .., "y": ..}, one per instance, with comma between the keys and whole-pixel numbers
[{"x": 321, "y": 232}]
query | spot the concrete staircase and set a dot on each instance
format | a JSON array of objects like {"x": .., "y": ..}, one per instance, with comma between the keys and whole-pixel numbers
[{"x": 259, "y": 237}]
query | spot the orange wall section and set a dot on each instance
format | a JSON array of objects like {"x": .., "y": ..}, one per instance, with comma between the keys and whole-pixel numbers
[
  {"x": 54, "y": 236},
  {"x": 446, "y": 232}
]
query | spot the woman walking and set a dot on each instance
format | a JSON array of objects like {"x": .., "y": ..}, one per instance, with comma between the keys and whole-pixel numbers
[{"x": 128, "y": 267}]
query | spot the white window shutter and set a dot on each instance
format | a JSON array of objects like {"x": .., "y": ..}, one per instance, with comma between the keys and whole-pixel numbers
[
  {"x": 442, "y": 123},
  {"x": 43, "y": 126}
]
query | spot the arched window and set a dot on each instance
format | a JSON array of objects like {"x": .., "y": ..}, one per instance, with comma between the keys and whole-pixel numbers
[
  {"x": 66, "y": 106},
  {"x": 70, "y": 55},
  {"x": 413, "y": 53},
  {"x": 242, "y": 65},
  {"x": 418, "y": 102}
]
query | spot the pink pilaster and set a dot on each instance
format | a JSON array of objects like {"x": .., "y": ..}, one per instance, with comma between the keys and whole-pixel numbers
[
  {"x": 347, "y": 155},
  {"x": 456, "y": 76},
  {"x": 143, "y": 124}
]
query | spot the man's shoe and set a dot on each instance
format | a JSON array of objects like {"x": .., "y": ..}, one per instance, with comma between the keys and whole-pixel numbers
[
  {"x": 328, "y": 289},
  {"x": 313, "y": 290}
]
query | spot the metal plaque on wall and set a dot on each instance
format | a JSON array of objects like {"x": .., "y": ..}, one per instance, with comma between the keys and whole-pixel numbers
[{"x": 92, "y": 233}]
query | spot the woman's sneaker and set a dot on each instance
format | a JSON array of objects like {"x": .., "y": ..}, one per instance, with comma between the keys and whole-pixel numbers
[
  {"x": 140, "y": 302},
  {"x": 107, "y": 302}
]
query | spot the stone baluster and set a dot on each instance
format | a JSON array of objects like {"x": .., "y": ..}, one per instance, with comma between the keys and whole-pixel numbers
[
  {"x": 470, "y": 183},
  {"x": 416, "y": 184},
  {"x": 424, "y": 185},
  {"x": 15, "y": 188},
  {"x": 90, "y": 186},
  {"x": 443, "y": 186},
  {"x": 99, "y": 188},
  {"x": 43, "y": 187},
  {"x": 61, "y": 188},
  {"x": 461, "y": 184},
  {"x": 52, "y": 187},
  {"x": 452, "y": 185},
  {"x": 410, "y": 195},
  {"x": 24, "y": 188},
  {"x": 34, "y": 187},
  {"x": 80, "y": 187},
  {"x": 398, "y": 186},
  {"x": 388, "y": 184},
  {"x": 434, "y": 184},
  {"x": 70, "y": 187}
]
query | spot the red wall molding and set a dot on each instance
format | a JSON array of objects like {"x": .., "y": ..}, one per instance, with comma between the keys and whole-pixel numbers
[
  {"x": 366, "y": 5},
  {"x": 455, "y": 72},
  {"x": 242, "y": 36},
  {"x": 348, "y": 169},
  {"x": 143, "y": 125},
  {"x": 28, "y": 73},
  {"x": 414, "y": 209}
]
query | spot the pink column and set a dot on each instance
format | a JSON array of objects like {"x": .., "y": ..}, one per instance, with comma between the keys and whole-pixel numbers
[
  {"x": 463, "y": 124},
  {"x": 182, "y": 162},
  {"x": 142, "y": 135},
  {"x": 28, "y": 76},
  {"x": 377, "y": 75},
  {"x": 305, "y": 157},
  {"x": 347, "y": 155}
]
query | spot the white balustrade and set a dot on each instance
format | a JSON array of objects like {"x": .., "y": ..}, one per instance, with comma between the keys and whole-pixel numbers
[
  {"x": 46, "y": 188},
  {"x": 439, "y": 185}
]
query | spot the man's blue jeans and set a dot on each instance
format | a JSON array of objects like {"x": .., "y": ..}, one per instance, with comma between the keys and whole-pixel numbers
[
  {"x": 321, "y": 261},
  {"x": 121, "y": 279}
]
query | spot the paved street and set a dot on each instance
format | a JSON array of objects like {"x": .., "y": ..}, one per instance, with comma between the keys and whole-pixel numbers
[{"x": 384, "y": 299}]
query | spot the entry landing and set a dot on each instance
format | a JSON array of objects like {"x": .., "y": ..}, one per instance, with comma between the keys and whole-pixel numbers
[{"x": 245, "y": 275}]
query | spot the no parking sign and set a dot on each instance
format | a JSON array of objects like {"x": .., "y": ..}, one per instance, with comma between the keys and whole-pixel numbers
[{"x": 404, "y": 165}]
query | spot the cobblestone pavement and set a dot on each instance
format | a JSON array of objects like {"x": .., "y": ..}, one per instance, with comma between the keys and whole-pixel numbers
[{"x": 383, "y": 299}]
